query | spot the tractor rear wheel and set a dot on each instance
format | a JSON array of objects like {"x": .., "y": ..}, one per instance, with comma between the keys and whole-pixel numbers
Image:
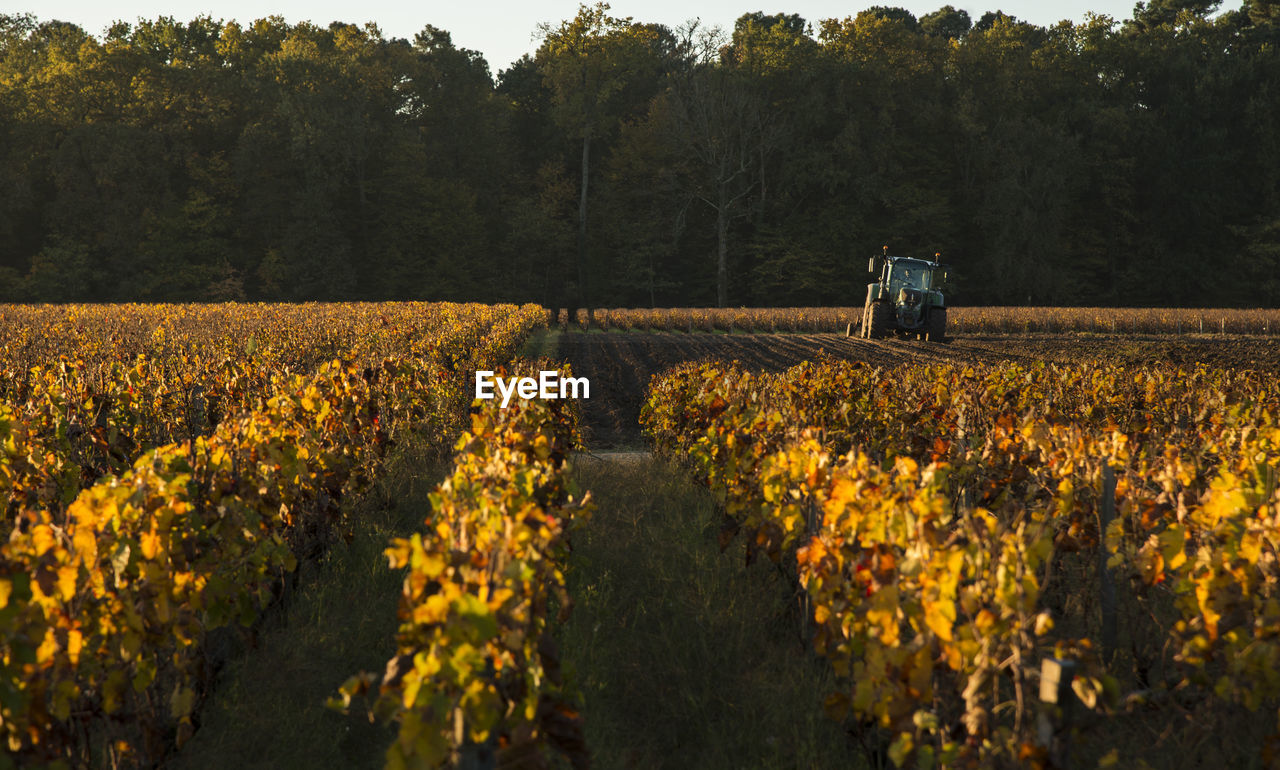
[
  {"x": 937, "y": 328},
  {"x": 878, "y": 317}
]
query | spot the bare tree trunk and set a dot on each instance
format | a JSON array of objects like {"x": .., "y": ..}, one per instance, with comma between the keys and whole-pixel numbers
[
  {"x": 722, "y": 250},
  {"x": 582, "y": 223},
  {"x": 652, "y": 273}
]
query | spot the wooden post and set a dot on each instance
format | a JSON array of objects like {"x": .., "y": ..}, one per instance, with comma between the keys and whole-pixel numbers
[
  {"x": 1057, "y": 709},
  {"x": 806, "y": 602},
  {"x": 1107, "y": 588}
]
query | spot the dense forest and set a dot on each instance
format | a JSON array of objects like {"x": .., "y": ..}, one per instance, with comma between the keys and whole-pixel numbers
[{"x": 1106, "y": 162}]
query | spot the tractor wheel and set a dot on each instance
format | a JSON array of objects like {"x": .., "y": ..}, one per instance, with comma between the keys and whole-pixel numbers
[
  {"x": 937, "y": 329},
  {"x": 878, "y": 318}
]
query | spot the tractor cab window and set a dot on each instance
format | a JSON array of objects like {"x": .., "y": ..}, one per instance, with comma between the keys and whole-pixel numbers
[{"x": 908, "y": 277}]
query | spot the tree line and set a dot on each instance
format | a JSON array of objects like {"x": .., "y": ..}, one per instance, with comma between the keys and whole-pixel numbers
[{"x": 624, "y": 163}]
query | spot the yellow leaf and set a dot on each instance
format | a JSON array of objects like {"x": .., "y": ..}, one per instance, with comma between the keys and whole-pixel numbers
[
  {"x": 955, "y": 563},
  {"x": 398, "y": 553},
  {"x": 1173, "y": 546},
  {"x": 1251, "y": 547},
  {"x": 940, "y": 616},
  {"x": 42, "y": 538},
  {"x": 1211, "y": 615},
  {"x": 67, "y": 582},
  {"x": 412, "y": 684},
  {"x": 86, "y": 543},
  {"x": 48, "y": 648},
  {"x": 150, "y": 542},
  {"x": 75, "y": 643},
  {"x": 955, "y": 658},
  {"x": 430, "y": 564},
  {"x": 433, "y": 610},
  {"x": 884, "y": 614},
  {"x": 821, "y": 613}
]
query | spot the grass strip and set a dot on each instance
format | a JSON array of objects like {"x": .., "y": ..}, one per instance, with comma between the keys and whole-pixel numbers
[
  {"x": 685, "y": 656},
  {"x": 267, "y": 709}
]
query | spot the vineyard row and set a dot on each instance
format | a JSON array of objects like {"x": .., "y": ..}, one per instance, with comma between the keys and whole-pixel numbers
[
  {"x": 108, "y": 593},
  {"x": 476, "y": 680},
  {"x": 954, "y": 527}
]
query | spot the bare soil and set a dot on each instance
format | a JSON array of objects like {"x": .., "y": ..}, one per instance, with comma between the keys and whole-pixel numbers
[{"x": 620, "y": 365}]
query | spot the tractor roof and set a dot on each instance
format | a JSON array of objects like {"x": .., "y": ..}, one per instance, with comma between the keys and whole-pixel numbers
[{"x": 912, "y": 261}]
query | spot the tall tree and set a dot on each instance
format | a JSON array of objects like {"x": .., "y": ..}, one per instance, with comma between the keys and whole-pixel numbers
[
  {"x": 1156, "y": 13},
  {"x": 946, "y": 22},
  {"x": 718, "y": 124},
  {"x": 586, "y": 63}
]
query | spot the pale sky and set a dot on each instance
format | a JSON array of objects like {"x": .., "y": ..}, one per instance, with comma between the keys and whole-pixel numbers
[{"x": 504, "y": 30}]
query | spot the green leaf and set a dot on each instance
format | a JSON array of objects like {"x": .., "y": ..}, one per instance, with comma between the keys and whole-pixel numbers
[{"x": 900, "y": 749}]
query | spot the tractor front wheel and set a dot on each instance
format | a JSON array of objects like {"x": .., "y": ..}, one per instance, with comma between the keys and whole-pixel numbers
[
  {"x": 937, "y": 329},
  {"x": 878, "y": 318}
]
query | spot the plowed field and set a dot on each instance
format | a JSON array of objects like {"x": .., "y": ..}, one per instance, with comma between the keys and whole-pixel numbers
[{"x": 619, "y": 365}]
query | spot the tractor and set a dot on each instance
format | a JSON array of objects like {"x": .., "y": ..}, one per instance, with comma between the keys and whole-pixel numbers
[{"x": 907, "y": 299}]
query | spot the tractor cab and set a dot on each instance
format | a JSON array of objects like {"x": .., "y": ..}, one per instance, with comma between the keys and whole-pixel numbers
[
  {"x": 906, "y": 298},
  {"x": 911, "y": 275}
]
